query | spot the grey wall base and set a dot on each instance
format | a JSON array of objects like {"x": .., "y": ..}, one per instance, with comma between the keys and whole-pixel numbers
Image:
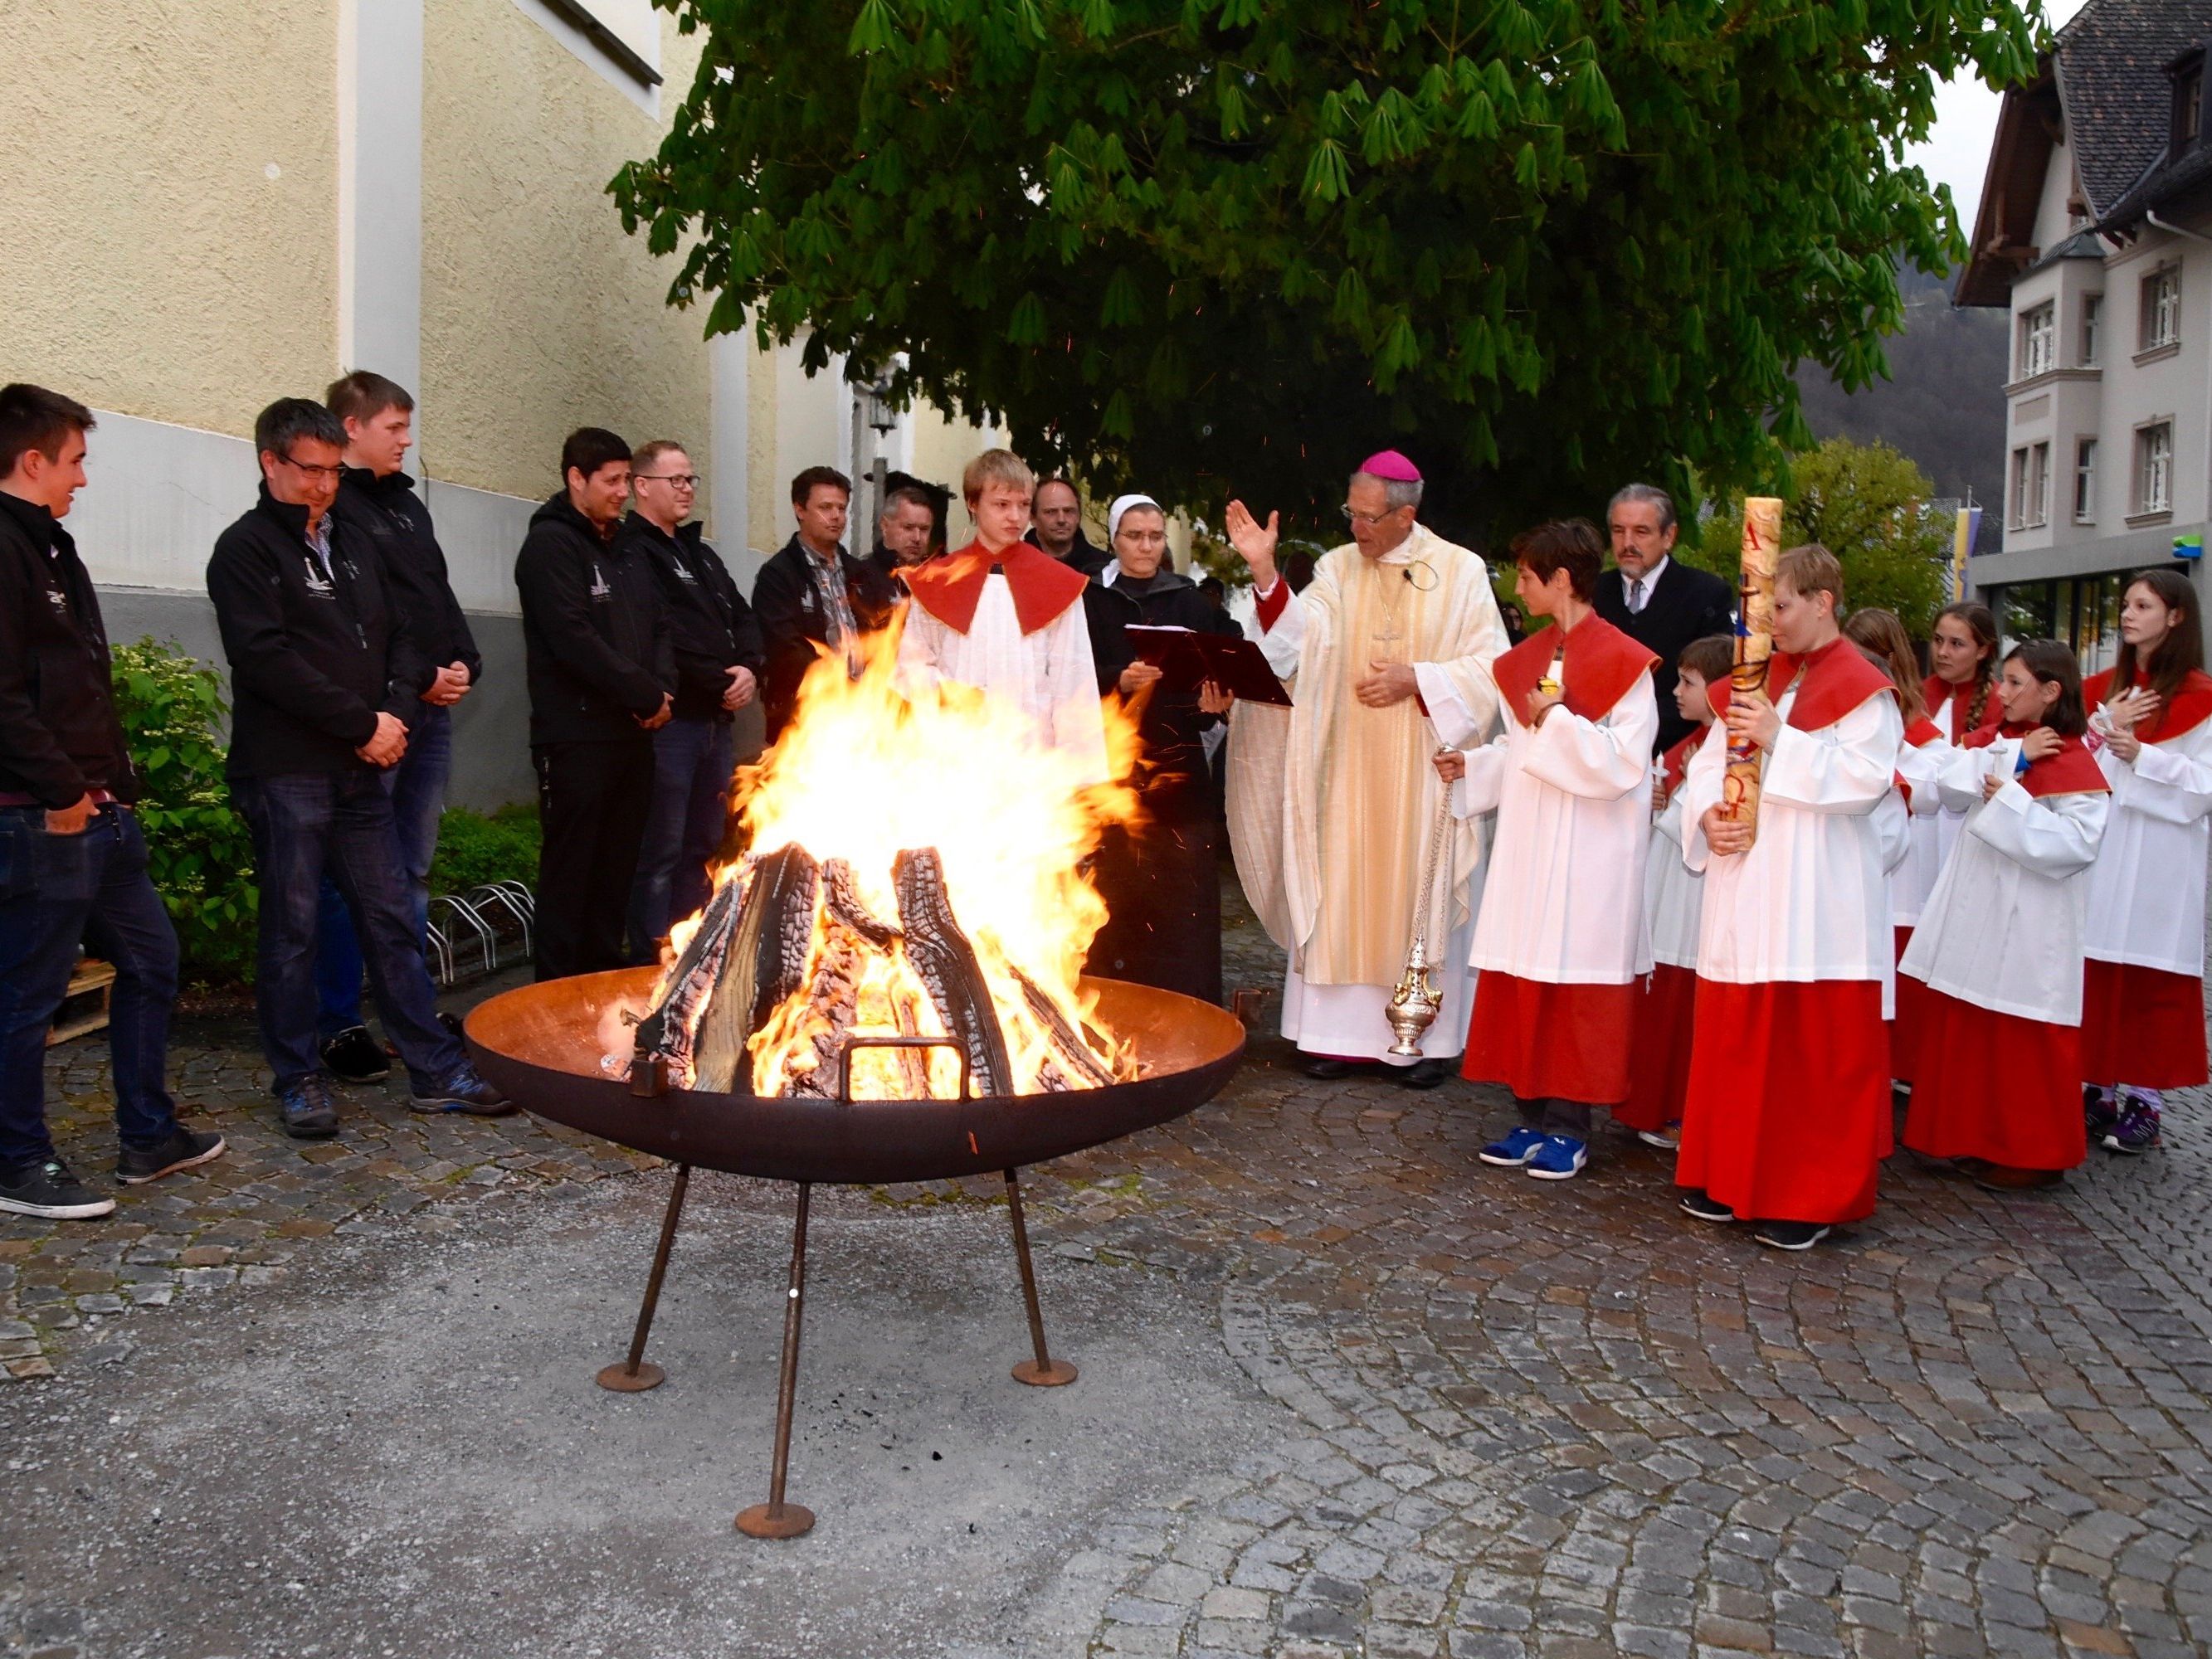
[{"x": 491, "y": 726}]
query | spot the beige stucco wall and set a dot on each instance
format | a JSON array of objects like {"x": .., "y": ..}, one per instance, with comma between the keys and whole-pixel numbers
[
  {"x": 153, "y": 266},
  {"x": 539, "y": 314}
]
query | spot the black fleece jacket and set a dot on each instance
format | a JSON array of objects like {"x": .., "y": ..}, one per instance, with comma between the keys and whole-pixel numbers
[
  {"x": 709, "y": 623},
  {"x": 396, "y": 522},
  {"x": 312, "y": 659},
  {"x": 59, "y": 737},
  {"x": 593, "y": 632}
]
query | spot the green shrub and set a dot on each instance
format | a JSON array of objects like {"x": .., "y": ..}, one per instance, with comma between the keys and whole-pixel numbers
[
  {"x": 200, "y": 851},
  {"x": 474, "y": 849}
]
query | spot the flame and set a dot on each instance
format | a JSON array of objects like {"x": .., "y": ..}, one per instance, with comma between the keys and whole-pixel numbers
[{"x": 868, "y": 767}]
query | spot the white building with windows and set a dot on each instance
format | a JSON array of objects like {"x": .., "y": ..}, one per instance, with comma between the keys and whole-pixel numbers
[{"x": 2095, "y": 230}]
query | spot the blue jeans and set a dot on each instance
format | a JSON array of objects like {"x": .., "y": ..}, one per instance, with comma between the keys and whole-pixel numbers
[
  {"x": 307, "y": 825},
  {"x": 57, "y": 892},
  {"x": 417, "y": 785},
  {"x": 692, "y": 761}
]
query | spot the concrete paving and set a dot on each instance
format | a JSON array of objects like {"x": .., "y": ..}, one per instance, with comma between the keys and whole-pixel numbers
[{"x": 1344, "y": 1391}]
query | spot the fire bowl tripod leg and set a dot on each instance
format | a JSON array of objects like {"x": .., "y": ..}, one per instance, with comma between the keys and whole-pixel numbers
[
  {"x": 775, "y": 1518},
  {"x": 633, "y": 1375},
  {"x": 1043, "y": 1371}
]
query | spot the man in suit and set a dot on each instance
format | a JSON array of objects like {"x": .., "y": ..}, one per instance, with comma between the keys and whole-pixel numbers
[{"x": 1658, "y": 603}]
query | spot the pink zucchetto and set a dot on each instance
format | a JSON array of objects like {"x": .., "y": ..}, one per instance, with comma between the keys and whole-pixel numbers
[{"x": 1391, "y": 467}]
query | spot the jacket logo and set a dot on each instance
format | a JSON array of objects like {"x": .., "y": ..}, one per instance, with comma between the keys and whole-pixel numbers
[
  {"x": 319, "y": 585},
  {"x": 600, "y": 591},
  {"x": 58, "y": 599},
  {"x": 683, "y": 570}
]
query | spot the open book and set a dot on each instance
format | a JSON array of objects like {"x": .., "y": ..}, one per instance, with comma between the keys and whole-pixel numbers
[{"x": 1188, "y": 659}]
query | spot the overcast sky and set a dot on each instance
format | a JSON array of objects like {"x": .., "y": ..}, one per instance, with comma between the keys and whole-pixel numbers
[{"x": 1958, "y": 151}]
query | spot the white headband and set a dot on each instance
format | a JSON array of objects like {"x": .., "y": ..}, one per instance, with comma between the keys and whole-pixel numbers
[{"x": 1122, "y": 505}]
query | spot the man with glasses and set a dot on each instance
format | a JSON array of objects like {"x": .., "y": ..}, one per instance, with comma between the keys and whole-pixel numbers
[
  {"x": 719, "y": 660},
  {"x": 602, "y": 673},
  {"x": 377, "y": 500},
  {"x": 1332, "y": 809},
  {"x": 325, "y": 676}
]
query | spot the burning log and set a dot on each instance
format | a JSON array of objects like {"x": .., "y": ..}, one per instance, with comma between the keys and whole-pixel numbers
[
  {"x": 667, "y": 1037},
  {"x": 1072, "y": 1065},
  {"x": 766, "y": 962},
  {"x": 945, "y": 963},
  {"x": 849, "y": 931}
]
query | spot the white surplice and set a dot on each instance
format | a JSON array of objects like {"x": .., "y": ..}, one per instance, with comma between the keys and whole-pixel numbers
[
  {"x": 1912, "y": 881},
  {"x": 2003, "y": 927},
  {"x": 2146, "y": 891},
  {"x": 1049, "y": 673},
  {"x": 1562, "y": 899},
  {"x": 1674, "y": 894},
  {"x": 1808, "y": 902}
]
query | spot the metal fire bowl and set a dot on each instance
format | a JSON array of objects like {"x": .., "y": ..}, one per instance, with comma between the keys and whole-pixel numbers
[{"x": 540, "y": 1044}]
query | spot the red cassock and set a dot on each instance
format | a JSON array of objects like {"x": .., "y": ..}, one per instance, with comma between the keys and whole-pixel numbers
[
  {"x": 1659, "y": 1049},
  {"x": 1561, "y": 925},
  {"x": 1997, "y": 1086},
  {"x": 1788, "y": 1108}
]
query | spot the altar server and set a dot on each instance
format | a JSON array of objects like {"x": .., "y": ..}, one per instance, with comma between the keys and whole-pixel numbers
[
  {"x": 1919, "y": 762},
  {"x": 1674, "y": 894},
  {"x": 1560, "y": 942},
  {"x": 1999, "y": 943},
  {"x": 2143, "y": 1016},
  {"x": 1789, "y": 1096},
  {"x": 1002, "y": 617},
  {"x": 1961, "y": 693}
]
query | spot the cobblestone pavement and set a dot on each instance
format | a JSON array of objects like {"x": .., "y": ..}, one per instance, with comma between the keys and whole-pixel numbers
[{"x": 1516, "y": 1417}]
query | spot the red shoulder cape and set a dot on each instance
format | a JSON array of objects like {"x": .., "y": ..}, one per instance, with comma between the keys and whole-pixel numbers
[
  {"x": 1838, "y": 679},
  {"x": 1602, "y": 665},
  {"x": 1922, "y": 732},
  {"x": 950, "y": 586},
  {"x": 2191, "y": 707},
  {"x": 1935, "y": 691},
  {"x": 1675, "y": 764},
  {"x": 2072, "y": 771}
]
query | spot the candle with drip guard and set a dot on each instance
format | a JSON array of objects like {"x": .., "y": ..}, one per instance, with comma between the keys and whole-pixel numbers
[{"x": 1754, "y": 643}]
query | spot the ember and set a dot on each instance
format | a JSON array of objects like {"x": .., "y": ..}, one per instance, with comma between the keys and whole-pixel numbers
[{"x": 912, "y": 871}]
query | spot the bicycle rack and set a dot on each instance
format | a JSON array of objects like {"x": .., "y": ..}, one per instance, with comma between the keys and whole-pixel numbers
[
  {"x": 504, "y": 895},
  {"x": 462, "y": 910}
]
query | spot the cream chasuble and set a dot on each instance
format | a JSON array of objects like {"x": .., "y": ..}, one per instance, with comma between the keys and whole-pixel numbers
[{"x": 1332, "y": 803}]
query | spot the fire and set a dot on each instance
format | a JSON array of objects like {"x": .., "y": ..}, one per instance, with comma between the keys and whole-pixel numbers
[{"x": 866, "y": 772}]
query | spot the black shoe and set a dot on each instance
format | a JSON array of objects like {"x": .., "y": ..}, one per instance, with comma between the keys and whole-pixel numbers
[
  {"x": 452, "y": 1022},
  {"x": 306, "y": 1110},
  {"x": 47, "y": 1188},
  {"x": 354, "y": 1056},
  {"x": 1328, "y": 1066},
  {"x": 1790, "y": 1235},
  {"x": 181, "y": 1151},
  {"x": 1697, "y": 1201},
  {"x": 465, "y": 1090},
  {"x": 1426, "y": 1073}
]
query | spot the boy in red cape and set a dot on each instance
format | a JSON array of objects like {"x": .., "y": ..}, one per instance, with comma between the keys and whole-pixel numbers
[
  {"x": 1788, "y": 1099},
  {"x": 1003, "y": 617},
  {"x": 1560, "y": 938}
]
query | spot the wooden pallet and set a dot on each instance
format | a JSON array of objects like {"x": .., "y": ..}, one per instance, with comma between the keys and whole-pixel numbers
[{"x": 84, "y": 1005}]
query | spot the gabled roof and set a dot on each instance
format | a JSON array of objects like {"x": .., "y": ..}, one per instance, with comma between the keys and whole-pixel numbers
[
  {"x": 2081, "y": 244},
  {"x": 2104, "y": 85},
  {"x": 2112, "y": 80}
]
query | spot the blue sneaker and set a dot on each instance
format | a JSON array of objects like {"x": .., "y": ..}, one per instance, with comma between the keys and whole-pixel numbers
[
  {"x": 465, "y": 1090},
  {"x": 1515, "y": 1151},
  {"x": 1559, "y": 1157}
]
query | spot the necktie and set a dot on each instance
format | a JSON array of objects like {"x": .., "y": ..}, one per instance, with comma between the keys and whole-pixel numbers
[{"x": 1635, "y": 598}]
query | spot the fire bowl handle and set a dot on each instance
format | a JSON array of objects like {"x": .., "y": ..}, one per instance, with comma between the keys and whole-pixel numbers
[{"x": 852, "y": 1043}]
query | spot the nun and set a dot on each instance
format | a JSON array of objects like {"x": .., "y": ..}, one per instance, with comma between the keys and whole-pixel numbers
[{"x": 1159, "y": 874}]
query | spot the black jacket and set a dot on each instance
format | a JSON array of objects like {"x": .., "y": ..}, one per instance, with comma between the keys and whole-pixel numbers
[
  {"x": 594, "y": 637},
  {"x": 1173, "y": 728},
  {"x": 312, "y": 661},
  {"x": 790, "y": 615},
  {"x": 397, "y": 524},
  {"x": 59, "y": 737},
  {"x": 710, "y": 626},
  {"x": 1686, "y": 603},
  {"x": 1082, "y": 556}
]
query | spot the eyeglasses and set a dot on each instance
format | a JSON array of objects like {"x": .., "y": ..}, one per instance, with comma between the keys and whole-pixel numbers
[
  {"x": 333, "y": 473},
  {"x": 681, "y": 480},
  {"x": 1370, "y": 519}
]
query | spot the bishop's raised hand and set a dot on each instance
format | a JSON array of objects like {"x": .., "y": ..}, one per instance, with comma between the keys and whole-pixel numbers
[{"x": 1254, "y": 543}]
